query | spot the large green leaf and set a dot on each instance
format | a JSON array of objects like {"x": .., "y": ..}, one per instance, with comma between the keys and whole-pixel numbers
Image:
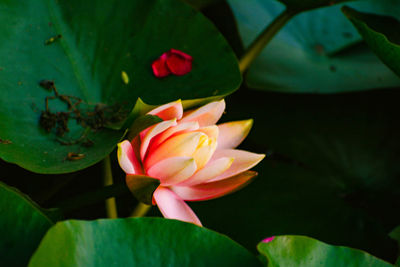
[
  {"x": 303, "y": 56},
  {"x": 22, "y": 226},
  {"x": 331, "y": 170},
  {"x": 381, "y": 33},
  {"x": 138, "y": 242},
  {"x": 298, "y": 251},
  {"x": 99, "y": 41}
]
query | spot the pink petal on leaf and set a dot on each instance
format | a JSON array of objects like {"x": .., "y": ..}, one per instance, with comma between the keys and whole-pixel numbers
[
  {"x": 159, "y": 66},
  {"x": 178, "y": 65},
  {"x": 169, "y": 111},
  {"x": 268, "y": 239},
  {"x": 231, "y": 134},
  {"x": 181, "y": 54},
  {"x": 214, "y": 189},
  {"x": 173, "y": 207}
]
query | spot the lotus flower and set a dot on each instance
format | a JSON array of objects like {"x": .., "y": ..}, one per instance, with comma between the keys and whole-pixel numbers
[{"x": 193, "y": 158}]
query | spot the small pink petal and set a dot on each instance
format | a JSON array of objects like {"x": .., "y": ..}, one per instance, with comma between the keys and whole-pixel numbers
[
  {"x": 159, "y": 66},
  {"x": 169, "y": 111},
  {"x": 173, "y": 170},
  {"x": 244, "y": 161},
  {"x": 268, "y": 239},
  {"x": 205, "y": 115},
  {"x": 214, "y": 189},
  {"x": 127, "y": 158},
  {"x": 173, "y": 207},
  {"x": 231, "y": 134},
  {"x": 178, "y": 65},
  {"x": 152, "y": 132}
]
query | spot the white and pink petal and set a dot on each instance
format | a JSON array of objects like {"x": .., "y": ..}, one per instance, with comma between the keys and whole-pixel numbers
[
  {"x": 231, "y": 134},
  {"x": 173, "y": 207},
  {"x": 243, "y": 161},
  {"x": 206, "y": 115},
  {"x": 127, "y": 158},
  {"x": 210, "y": 171},
  {"x": 213, "y": 190},
  {"x": 169, "y": 111}
]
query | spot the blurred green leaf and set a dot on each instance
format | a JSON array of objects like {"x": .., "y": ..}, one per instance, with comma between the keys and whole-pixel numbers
[
  {"x": 138, "y": 242},
  {"x": 95, "y": 42},
  {"x": 309, "y": 4},
  {"x": 395, "y": 234},
  {"x": 22, "y": 226},
  {"x": 200, "y": 4},
  {"x": 298, "y": 251},
  {"x": 315, "y": 52},
  {"x": 381, "y": 33},
  {"x": 331, "y": 170}
]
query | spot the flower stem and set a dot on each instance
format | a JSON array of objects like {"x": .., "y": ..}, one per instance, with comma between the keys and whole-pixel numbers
[
  {"x": 263, "y": 39},
  {"x": 111, "y": 205},
  {"x": 141, "y": 210}
]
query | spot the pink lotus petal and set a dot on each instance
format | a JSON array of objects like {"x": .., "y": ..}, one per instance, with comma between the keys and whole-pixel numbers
[
  {"x": 169, "y": 111},
  {"x": 173, "y": 170},
  {"x": 159, "y": 66},
  {"x": 268, "y": 239},
  {"x": 206, "y": 115},
  {"x": 173, "y": 207},
  {"x": 244, "y": 161},
  {"x": 152, "y": 132},
  {"x": 182, "y": 145},
  {"x": 210, "y": 171},
  {"x": 231, "y": 134},
  {"x": 178, "y": 129},
  {"x": 214, "y": 189},
  {"x": 127, "y": 158}
]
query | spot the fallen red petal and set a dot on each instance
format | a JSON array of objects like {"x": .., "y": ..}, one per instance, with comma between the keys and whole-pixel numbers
[
  {"x": 180, "y": 53},
  {"x": 178, "y": 64},
  {"x": 159, "y": 66}
]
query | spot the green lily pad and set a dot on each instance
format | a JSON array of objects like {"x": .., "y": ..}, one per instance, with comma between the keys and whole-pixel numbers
[
  {"x": 84, "y": 48},
  {"x": 314, "y": 52},
  {"x": 22, "y": 226},
  {"x": 381, "y": 33},
  {"x": 331, "y": 170},
  {"x": 138, "y": 242},
  {"x": 298, "y": 251}
]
